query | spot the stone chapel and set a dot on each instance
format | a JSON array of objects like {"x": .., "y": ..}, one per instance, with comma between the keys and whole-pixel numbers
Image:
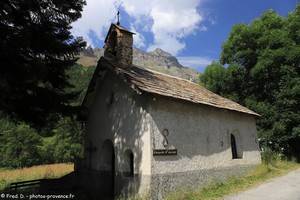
[{"x": 149, "y": 133}]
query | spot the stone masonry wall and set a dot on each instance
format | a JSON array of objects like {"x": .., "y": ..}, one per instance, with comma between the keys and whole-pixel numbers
[{"x": 124, "y": 48}]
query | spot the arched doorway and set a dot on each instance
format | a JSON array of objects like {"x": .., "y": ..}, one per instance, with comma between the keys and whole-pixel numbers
[
  {"x": 108, "y": 163},
  {"x": 233, "y": 147}
]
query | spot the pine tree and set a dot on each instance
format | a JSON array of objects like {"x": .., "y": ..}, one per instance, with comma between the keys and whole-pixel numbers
[{"x": 37, "y": 48}]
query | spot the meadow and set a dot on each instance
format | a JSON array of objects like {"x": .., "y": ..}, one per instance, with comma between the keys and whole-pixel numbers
[{"x": 8, "y": 176}]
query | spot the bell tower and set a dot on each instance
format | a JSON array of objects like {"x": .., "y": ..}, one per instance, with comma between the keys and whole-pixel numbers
[{"x": 118, "y": 45}]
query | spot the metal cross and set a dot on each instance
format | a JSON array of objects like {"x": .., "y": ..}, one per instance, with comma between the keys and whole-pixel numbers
[{"x": 118, "y": 14}]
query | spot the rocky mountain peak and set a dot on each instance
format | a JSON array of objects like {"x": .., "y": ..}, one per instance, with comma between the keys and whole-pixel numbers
[
  {"x": 157, "y": 57},
  {"x": 160, "y": 52}
]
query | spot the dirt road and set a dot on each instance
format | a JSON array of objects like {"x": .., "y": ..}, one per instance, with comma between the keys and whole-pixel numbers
[{"x": 282, "y": 188}]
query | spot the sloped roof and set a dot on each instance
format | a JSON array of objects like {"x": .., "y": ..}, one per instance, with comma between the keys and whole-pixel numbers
[
  {"x": 118, "y": 27},
  {"x": 158, "y": 83}
]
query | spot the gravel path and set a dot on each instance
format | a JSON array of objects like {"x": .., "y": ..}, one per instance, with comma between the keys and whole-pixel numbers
[{"x": 282, "y": 188}]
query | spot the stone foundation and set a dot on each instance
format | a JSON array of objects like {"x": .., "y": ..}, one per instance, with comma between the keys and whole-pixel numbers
[
  {"x": 98, "y": 184},
  {"x": 162, "y": 184}
]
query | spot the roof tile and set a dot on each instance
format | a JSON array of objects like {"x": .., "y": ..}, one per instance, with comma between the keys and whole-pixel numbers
[{"x": 166, "y": 85}]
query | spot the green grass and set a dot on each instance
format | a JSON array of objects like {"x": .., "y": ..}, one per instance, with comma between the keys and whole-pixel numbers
[
  {"x": 8, "y": 176},
  {"x": 217, "y": 190}
]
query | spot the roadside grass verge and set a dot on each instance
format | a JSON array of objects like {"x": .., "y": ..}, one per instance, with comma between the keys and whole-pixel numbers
[
  {"x": 8, "y": 176},
  {"x": 232, "y": 185}
]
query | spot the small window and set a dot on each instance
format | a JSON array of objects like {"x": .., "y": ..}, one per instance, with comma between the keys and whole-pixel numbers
[{"x": 129, "y": 163}]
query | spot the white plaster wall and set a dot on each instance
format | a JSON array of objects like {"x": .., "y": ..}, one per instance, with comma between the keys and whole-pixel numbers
[
  {"x": 124, "y": 122},
  {"x": 201, "y": 134}
]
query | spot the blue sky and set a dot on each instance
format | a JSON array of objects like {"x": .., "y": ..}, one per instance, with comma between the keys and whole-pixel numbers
[{"x": 191, "y": 30}]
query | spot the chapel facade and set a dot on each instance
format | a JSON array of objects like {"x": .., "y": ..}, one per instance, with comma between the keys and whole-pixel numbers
[{"x": 149, "y": 133}]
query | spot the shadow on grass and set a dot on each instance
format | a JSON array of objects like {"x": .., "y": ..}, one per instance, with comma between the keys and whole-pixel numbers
[{"x": 66, "y": 187}]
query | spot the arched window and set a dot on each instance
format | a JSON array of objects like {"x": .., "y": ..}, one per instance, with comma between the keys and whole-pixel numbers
[
  {"x": 129, "y": 163},
  {"x": 233, "y": 147}
]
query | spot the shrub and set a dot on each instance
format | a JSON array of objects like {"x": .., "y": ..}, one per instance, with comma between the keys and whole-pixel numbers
[
  {"x": 19, "y": 145},
  {"x": 66, "y": 143},
  {"x": 269, "y": 157}
]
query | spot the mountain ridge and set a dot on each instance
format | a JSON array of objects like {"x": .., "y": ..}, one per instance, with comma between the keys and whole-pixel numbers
[{"x": 157, "y": 60}]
